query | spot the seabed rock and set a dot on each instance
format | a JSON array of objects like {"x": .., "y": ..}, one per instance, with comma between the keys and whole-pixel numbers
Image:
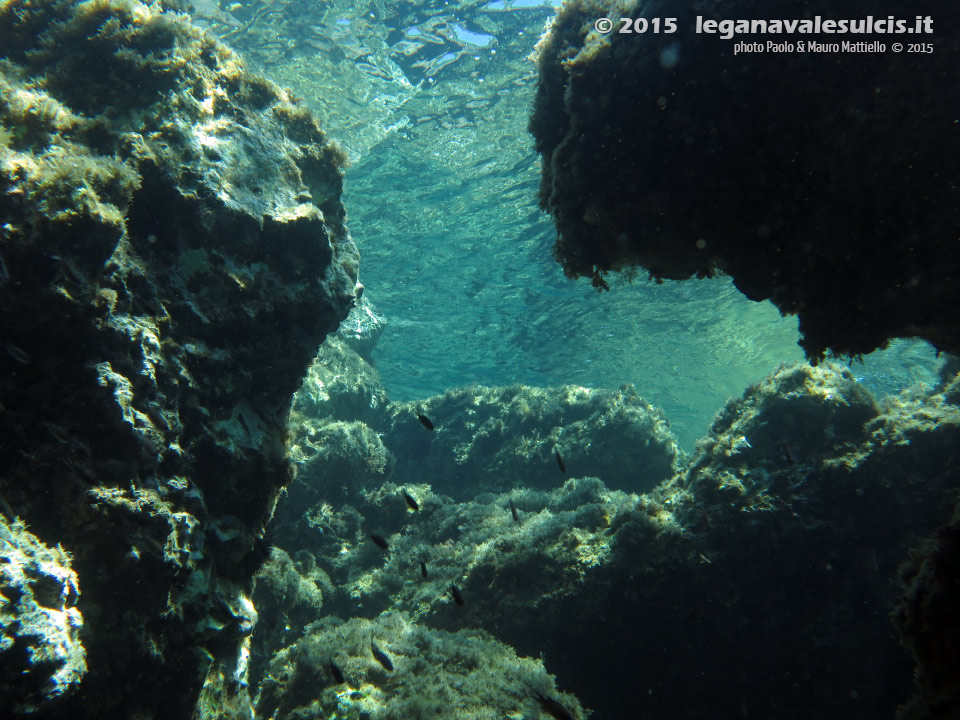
[
  {"x": 772, "y": 553},
  {"x": 780, "y": 560},
  {"x": 172, "y": 254},
  {"x": 340, "y": 386},
  {"x": 42, "y": 658},
  {"x": 495, "y": 438},
  {"x": 362, "y": 328},
  {"x": 431, "y": 673}
]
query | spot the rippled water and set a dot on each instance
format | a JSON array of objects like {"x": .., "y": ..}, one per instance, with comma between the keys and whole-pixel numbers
[{"x": 432, "y": 100}]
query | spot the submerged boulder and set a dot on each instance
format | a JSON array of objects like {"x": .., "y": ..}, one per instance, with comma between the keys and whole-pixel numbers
[
  {"x": 392, "y": 669},
  {"x": 172, "y": 253},
  {"x": 42, "y": 658},
  {"x": 794, "y": 170},
  {"x": 496, "y": 438},
  {"x": 341, "y": 385},
  {"x": 773, "y": 554}
]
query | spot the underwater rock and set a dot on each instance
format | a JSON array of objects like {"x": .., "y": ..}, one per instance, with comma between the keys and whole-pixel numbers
[
  {"x": 751, "y": 565},
  {"x": 796, "y": 414},
  {"x": 362, "y": 328},
  {"x": 172, "y": 253},
  {"x": 503, "y": 566},
  {"x": 772, "y": 553},
  {"x": 42, "y": 658},
  {"x": 340, "y": 385},
  {"x": 289, "y": 594},
  {"x": 434, "y": 673},
  {"x": 337, "y": 461},
  {"x": 501, "y": 563},
  {"x": 794, "y": 172},
  {"x": 492, "y": 439},
  {"x": 929, "y": 620},
  {"x": 950, "y": 380}
]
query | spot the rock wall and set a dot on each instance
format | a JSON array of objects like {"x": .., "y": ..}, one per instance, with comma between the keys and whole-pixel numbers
[
  {"x": 758, "y": 579},
  {"x": 761, "y": 580},
  {"x": 496, "y": 438},
  {"x": 172, "y": 253},
  {"x": 823, "y": 181}
]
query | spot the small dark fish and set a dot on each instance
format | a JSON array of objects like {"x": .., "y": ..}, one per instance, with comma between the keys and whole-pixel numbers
[
  {"x": 425, "y": 421},
  {"x": 380, "y": 541},
  {"x": 411, "y": 503},
  {"x": 563, "y": 468},
  {"x": 23, "y": 357},
  {"x": 59, "y": 434},
  {"x": 423, "y": 568},
  {"x": 381, "y": 656},
  {"x": 513, "y": 511},
  {"x": 786, "y": 453},
  {"x": 553, "y": 708},
  {"x": 457, "y": 597},
  {"x": 337, "y": 673}
]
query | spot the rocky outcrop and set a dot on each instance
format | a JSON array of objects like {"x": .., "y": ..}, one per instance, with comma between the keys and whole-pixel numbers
[
  {"x": 780, "y": 560},
  {"x": 795, "y": 172},
  {"x": 781, "y": 537},
  {"x": 340, "y": 386},
  {"x": 393, "y": 669},
  {"x": 362, "y": 329},
  {"x": 496, "y": 438},
  {"x": 172, "y": 254},
  {"x": 41, "y": 657},
  {"x": 929, "y": 619}
]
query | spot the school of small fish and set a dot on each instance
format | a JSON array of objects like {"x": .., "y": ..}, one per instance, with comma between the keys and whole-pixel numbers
[{"x": 549, "y": 706}]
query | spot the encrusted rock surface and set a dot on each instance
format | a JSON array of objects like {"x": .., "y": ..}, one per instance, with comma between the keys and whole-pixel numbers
[
  {"x": 341, "y": 386},
  {"x": 495, "y": 438},
  {"x": 773, "y": 553},
  {"x": 929, "y": 620},
  {"x": 42, "y": 659},
  {"x": 796, "y": 173},
  {"x": 431, "y": 673},
  {"x": 362, "y": 329},
  {"x": 780, "y": 561},
  {"x": 172, "y": 254}
]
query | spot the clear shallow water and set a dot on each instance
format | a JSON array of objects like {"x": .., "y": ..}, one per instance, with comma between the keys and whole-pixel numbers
[{"x": 442, "y": 201}]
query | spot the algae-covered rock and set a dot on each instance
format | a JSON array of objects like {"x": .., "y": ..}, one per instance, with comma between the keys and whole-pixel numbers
[
  {"x": 802, "y": 502},
  {"x": 799, "y": 414},
  {"x": 290, "y": 593},
  {"x": 421, "y": 673},
  {"x": 648, "y": 142},
  {"x": 502, "y": 551},
  {"x": 172, "y": 253},
  {"x": 773, "y": 554},
  {"x": 928, "y": 616},
  {"x": 337, "y": 460},
  {"x": 340, "y": 385},
  {"x": 362, "y": 328},
  {"x": 42, "y": 658},
  {"x": 336, "y": 464},
  {"x": 499, "y": 563},
  {"x": 491, "y": 439},
  {"x": 793, "y": 517}
]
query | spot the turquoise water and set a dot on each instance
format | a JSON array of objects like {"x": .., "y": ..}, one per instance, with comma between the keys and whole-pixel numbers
[
  {"x": 432, "y": 102},
  {"x": 522, "y": 551}
]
